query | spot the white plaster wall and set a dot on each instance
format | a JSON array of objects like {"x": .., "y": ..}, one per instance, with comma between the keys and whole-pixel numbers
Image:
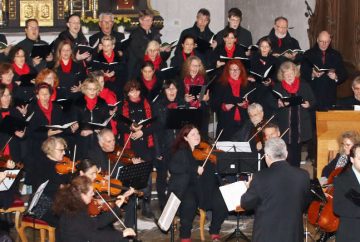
[
  {"x": 181, "y": 14},
  {"x": 259, "y": 15}
]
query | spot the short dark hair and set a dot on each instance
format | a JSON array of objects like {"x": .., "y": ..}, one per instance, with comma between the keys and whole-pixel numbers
[
  {"x": 167, "y": 83},
  {"x": 132, "y": 84},
  {"x": 280, "y": 18},
  {"x": 30, "y": 20},
  {"x": 204, "y": 12},
  {"x": 234, "y": 12},
  {"x": 72, "y": 15},
  {"x": 353, "y": 150},
  {"x": 145, "y": 12},
  {"x": 13, "y": 51},
  {"x": 147, "y": 64},
  {"x": 228, "y": 31}
]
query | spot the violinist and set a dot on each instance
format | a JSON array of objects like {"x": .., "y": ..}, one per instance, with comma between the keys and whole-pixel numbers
[
  {"x": 98, "y": 155},
  {"x": 88, "y": 168},
  {"x": 53, "y": 150},
  {"x": 140, "y": 137},
  {"x": 75, "y": 223},
  {"x": 271, "y": 130},
  {"x": 346, "y": 199},
  {"x": 184, "y": 182},
  {"x": 252, "y": 128}
]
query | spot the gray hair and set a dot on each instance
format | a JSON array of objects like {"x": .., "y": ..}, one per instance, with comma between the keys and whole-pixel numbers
[
  {"x": 106, "y": 14},
  {"x": 103, "y": 132},
  {"x": 275, "y": 148},
  {"x": 356, "y": 81},
  {"x": 255, "y": 106}
]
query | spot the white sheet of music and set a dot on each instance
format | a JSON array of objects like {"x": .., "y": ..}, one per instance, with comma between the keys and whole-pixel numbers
[
  {"x": 230, "y": 146},
  {"x": 232, "y": 194},
  {"x": 7, "y": 182},
  {"x": 168, "y": 214},
  {"x": 356, "y": 107}
]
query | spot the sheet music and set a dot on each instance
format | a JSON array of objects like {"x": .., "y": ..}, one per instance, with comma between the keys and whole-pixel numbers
[
  {"x": 168, "y": 214},
  {"x": 37, "y": 196},
  {"x": 7, "y": 182},
  {"x": 356, "y": 107},
  {"x": 232, "y": 194},
  {"x": 229, "y": 146}
]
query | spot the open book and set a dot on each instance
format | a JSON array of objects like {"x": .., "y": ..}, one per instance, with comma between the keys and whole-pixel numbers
[
  {"x": 114, "y": 104},
  {"x": 225, "y": 58},
  {"x": 40, "y": 50},
  {"x": 122, "y": 44},
  {"x": 250, "y": 47},
  {"x": 105, "y": 66},
  {"x": 172, "y": 44},
  {"x": 86, "y": 48},
  {"x": 293, "y": 101},
  {"x": 130, "y": 122},
  {"x": 248, "y": 93},
  {"x": 262, "y": 77},
  {"x": 62, "y": 127},
  {"x": 101, "y": 125},
  {"x": 317, "y": 69},
  {"x": 290, "y": 51}
]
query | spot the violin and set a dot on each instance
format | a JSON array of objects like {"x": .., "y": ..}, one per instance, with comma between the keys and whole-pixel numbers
[
  {"x": 201, "y": 152},
  {"x": 96, "y": 206},
  {"x": 66, "y": 166},
  {"x": 126, "y": 157},
  {"x": 116, "y": 186},
  {"x": 4, "y": 159},
  {"x": 321, "y": 213}
]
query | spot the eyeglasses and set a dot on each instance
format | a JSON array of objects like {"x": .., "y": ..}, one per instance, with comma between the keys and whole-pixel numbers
[{"x": 61, "y": 150}]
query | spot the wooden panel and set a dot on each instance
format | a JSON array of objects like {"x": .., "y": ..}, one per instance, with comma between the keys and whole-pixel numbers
[{"x": 329, "y": 126}]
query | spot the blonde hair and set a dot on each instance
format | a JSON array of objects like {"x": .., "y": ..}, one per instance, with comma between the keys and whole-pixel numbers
[
  {"x": 287, "y": 65},
  {"x": 352, "y": 135},
  {"x": 88, "y": 81},
  {"x": 48, "y": 146}
]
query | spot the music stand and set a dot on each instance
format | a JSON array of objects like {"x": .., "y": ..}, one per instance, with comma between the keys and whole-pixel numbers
[
  {"x": 135, "y": 176},
  {"x": 237, "y": 163}
]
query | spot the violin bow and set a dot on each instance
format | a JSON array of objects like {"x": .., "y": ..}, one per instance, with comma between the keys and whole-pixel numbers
[
  {"x": 212, "y": 148},
  {"x": 7, "y": 142},
  {"x": 121, "y": 153},
  {"x": 73, "y": 164},
  {"x": 262, "y": 157},
  {"x": 112, "y": 211},
  {"x": 261, "y": 128}
]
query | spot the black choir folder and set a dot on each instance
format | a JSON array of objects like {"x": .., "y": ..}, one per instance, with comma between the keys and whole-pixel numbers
[
  {"x": 11, "y": 124},
  {"x": 40, "y": 50},
  {"x": 262, "y": 77},
  {"x": 293, "y": 100},
  {"x": 105, "y": 66},
  {"x": 177, "y": 118}
]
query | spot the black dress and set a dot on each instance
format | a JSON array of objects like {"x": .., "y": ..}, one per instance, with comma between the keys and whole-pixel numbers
[{"x": 80, "y": 227}]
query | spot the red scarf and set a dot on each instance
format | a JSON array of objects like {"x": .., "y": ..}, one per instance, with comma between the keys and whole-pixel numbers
[
  {"x": 149, "y": 84},
  {"x": 235, "y": 89},
  {"x": 91, "y": 102},
  {"x": 230, "y": 52},
  {"x": 172, "y": 105},
  {"x": 110, "y": 98},
  {"x": 66, "y": 68},
  {"x": 53, "y": 95},
  {"x": 46, "y": 112},
  {"x": 156, "y": 63},
  {"x": 126, "y": 113},
  {"x": 279, "y": 42},
  {"x": 109, "y": 59},
  {"x": 185, "y": 56},
  {"x": 197, "y": 80},
  {"x": 25, "y": 69},
  {"x": 6, "y": 150},
  {"x": 293, "y": 88}
]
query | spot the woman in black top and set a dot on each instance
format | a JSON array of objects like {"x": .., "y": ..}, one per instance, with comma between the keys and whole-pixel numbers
[
  {"x": 150, "y": 83},
  {"x": 70, "y": 72},
  {"x": 296, "y": 117},
  {"x": 76, "y": 224},
  {"x": 183, "y": 182}
]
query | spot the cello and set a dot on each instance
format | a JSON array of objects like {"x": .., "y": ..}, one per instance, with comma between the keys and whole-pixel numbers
[{"x": 321, "y": 213}]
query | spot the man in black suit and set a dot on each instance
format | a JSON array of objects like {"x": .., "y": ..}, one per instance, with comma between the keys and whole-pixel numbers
[
  {"x": 347, "y": 199},
  {"x": 355, "y": 98},
  {"x": 244, "y": 36},
  {"x": 106, "y": 24},
  {"x": 279, "y": 195},
  {"x": 323, "y": 83}
]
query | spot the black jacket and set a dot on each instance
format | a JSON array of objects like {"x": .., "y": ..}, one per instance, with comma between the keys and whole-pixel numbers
[
  {"x": 279, "y": 195},
  {"x": 139, "y": 40},
  {"x": 345, "y": 208},
  {"x": 178, "y": 60},
  {"x": 220, "y": 51},
  {"x": 323, "y": 87},
  {"x": 65, "y": 35},
  {"x": 243, "y": 35},
  {"x": 98, "y": 36},
  {"x": 283, "y": 115},
  {"x": 80, "y": 227}
]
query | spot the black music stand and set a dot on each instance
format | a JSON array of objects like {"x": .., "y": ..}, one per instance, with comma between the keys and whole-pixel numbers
[
  {"x": 135, "y": 176},
  {"x": 237, "y": 163}
]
